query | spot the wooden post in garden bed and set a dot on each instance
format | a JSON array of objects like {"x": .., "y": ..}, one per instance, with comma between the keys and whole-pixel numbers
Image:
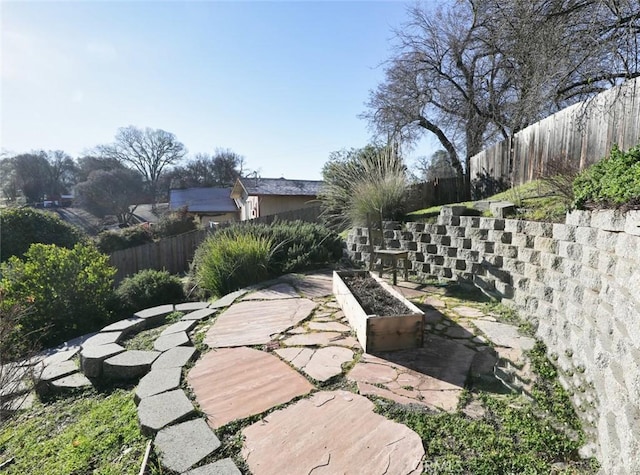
[{"x": 379, "y": 332}]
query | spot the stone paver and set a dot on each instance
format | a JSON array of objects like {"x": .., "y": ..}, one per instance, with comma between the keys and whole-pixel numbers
[
  {"x": 502, "y": 334},
  {"x": 432, "y": 376},
  {"x": 329, "y": 326},
  {"x": 220, "y": 467},
  {"x": 91, "y": 358},
  {"x": 55, "y": 371},
  {"x": 129, "y": 365},
  {"x": 158, "y": 381},
  {"x": 340, "y": 434},
  {"x": 198, "y": 315},
  {"x": 253, "y": 323},
  {"x": 154, "y": 315},
  {"x": 275, "y": 292},
  {"x": 174, "y": 358},
  {"x": 234, "y": 383},
  {"x": 183, "y": 445},
  {"x": 469, "y": 312},
  {"x": 314, "y": 286},
  {"x": 313, "y": 339},
  {"x": 327, "y": 362},
  {"x": 322, "y": 364},
  {"x": 71, "y": 382},
  {"x": 156, "y": 412},
  {"x": 181, "y": 326},
  {"x": 190, "y": 306},
  {"x": 166, "y": 342},
  {"x": 228, "y": 299},
  {"x": 60, "y": 355},
  {"x": 126, "y": 326},
  {"x": 103, "y": 338}
]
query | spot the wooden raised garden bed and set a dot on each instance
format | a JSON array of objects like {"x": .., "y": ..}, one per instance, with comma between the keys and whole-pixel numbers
[{"x": 381, "y": 317}]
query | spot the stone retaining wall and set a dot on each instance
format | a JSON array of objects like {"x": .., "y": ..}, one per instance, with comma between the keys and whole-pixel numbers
[{"x": 578, "y": 282}]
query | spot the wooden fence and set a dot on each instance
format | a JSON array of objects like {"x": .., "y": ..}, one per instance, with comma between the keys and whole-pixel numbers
[
  {"x": 435, "y": 192},
  {"x": 581, "y": 135},
  {"x": 172, "y": 254}
]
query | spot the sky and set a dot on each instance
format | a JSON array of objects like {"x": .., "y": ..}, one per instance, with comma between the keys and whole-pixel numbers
[{"x": 281, "y": 83}]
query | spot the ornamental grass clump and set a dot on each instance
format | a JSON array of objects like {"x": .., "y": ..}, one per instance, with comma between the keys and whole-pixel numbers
[
  {"x": 225, "y": 263},
  {"x": 367, "y": 182}
]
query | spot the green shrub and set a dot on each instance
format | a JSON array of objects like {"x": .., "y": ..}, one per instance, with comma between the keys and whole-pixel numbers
[
  {"x": 21, "y": 227},
  {"x": 297, "y": 245},
  {"x": 613, "y": 182},
  {"x": 70, "y": 291},
  {"x": 226, "y": 262},
  {"x": 111, "y": 241},
  {"x": 172, "y": 224},
  {"x": 149, "y": 288}
]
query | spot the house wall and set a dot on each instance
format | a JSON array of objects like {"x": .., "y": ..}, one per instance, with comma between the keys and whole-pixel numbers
[
  {"x": 222, "y": 218},
  {"x": 578, "y": 283},
  {"x": 269, "y": 205}
]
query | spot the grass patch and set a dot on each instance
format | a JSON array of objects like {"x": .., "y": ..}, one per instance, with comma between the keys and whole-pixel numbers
[
  {"x": 91, "y": 433},
  {"x": 535, "y": 201}
]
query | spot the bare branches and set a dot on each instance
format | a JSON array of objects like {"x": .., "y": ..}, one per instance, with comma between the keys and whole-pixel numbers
[
  {"x": 484, "y": 69},
  {"x": 148, "y": 151}
]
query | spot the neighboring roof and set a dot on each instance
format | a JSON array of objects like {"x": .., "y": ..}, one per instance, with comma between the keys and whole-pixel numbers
[
  {"x": 279, "y": 186},
  {"x": 203, "y": 200}
]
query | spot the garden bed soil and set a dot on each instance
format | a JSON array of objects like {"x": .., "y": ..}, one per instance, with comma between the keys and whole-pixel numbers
[{"x": 372, "y": 297}]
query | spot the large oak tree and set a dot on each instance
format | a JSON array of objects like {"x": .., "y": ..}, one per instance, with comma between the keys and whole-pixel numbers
[
  {"x": 476, "y": 71},
  {"x": 149, "y": 151}
]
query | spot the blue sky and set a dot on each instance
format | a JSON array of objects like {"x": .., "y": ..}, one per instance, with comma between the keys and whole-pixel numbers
[{"x": 281, "y": 83}]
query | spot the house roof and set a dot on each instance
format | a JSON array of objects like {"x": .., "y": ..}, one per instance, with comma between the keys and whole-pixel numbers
[
  {"x": 278, "y": 187},
  {"x": 203, "y": 200}
]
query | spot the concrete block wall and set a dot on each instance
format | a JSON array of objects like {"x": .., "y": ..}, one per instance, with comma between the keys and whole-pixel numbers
[{"x": 578, "y": 283}]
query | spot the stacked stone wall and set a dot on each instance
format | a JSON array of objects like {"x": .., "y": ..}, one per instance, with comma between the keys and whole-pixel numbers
[{"x": 578, "y": 283}]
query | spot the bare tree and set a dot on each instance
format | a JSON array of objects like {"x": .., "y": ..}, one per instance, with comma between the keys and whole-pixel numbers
[
  {"x": 476, "y": 71},
  {"x": 204, "y": 170},
  {"x": 111, "y": 192},
  {"x": 148, "y": 151}
]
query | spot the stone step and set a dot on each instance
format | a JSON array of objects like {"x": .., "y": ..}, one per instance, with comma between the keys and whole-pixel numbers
[
  {"x": 201, "y": 314},
  {"x": 190, "y": 306},
  {"x": 181, "y": 326},
  {"x": 220, "y": 467},
  {"x": 166, "y": 342},
  {"x": 156, "y": 412},
  {"x": 129, "y": 364},
  {"x": 174, "y": 358},
  {"x": 158, "y": 381},
  {"x": 154, "y": 316},
  {"x": 72, "y": 382},
  {"x": 91, "y": 358},
  {"x": 127, "y": 326},
  {"x": 183, "y": 445}
]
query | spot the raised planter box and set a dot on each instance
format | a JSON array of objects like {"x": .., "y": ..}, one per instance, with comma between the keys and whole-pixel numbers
[{"x": 379, "y": 332}]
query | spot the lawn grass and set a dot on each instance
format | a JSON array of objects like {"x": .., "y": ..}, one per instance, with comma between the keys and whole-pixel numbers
[
  {"x": 90, "y": 432},
  {"x": 534, "y": 201}
]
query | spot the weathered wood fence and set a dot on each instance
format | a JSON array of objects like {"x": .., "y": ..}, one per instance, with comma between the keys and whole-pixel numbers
[
  {"x": 434, "y": 192},
  {"x": 172, "y": 254},
  {"x": 581, "y": 135}
]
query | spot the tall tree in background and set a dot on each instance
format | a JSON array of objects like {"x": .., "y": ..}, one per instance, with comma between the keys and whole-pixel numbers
[
  {"x": 220, "y": 169},
  {"x": 91, "y": 163},
  {"x": 36, "y": 175},
  {"x": 436, "y": 166},
  {"x": 149, "y": 151},
  {"x": 477, "y": 71},
  {"x": 111, "y": 192}
]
